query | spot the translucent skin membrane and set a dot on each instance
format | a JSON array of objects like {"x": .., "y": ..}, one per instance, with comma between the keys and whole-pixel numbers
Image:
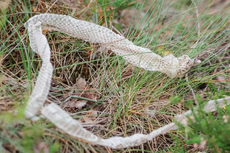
[{"x": 135, "y": 55}]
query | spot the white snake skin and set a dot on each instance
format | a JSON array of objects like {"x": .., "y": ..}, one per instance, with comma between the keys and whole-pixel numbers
[{"x": 137, "y": 56}]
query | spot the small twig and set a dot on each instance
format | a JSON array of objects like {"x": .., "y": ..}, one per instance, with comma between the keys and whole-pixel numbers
[
  {"x": 198, "y": 25},
  {"x": 193, "y": 93},
  {"x": 197, "y": 14},
  {"x": 51, "y": 6},
  {"x": 85, "y": 8},
  {"x": 83, "y": 98}
]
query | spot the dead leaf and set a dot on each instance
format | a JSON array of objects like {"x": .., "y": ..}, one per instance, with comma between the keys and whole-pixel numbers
[
  {"x": 80, "y": 83},
  {"x": 34, "y": 9},
  {"x": 195, "y": 146},
  {"x": 92, "y": 114},
  {"x": 76, "y": 104},
  {"x": 41, "y": 147},
  {"x": 44, "y": 31},
  {"x": 90, "y": 95},
  {"x": 200, "y": 146},
  {"x": 87, "y": 119}
]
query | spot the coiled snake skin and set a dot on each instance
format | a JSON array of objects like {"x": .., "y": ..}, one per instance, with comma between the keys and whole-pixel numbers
[{"x": 135, "y": 55}]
